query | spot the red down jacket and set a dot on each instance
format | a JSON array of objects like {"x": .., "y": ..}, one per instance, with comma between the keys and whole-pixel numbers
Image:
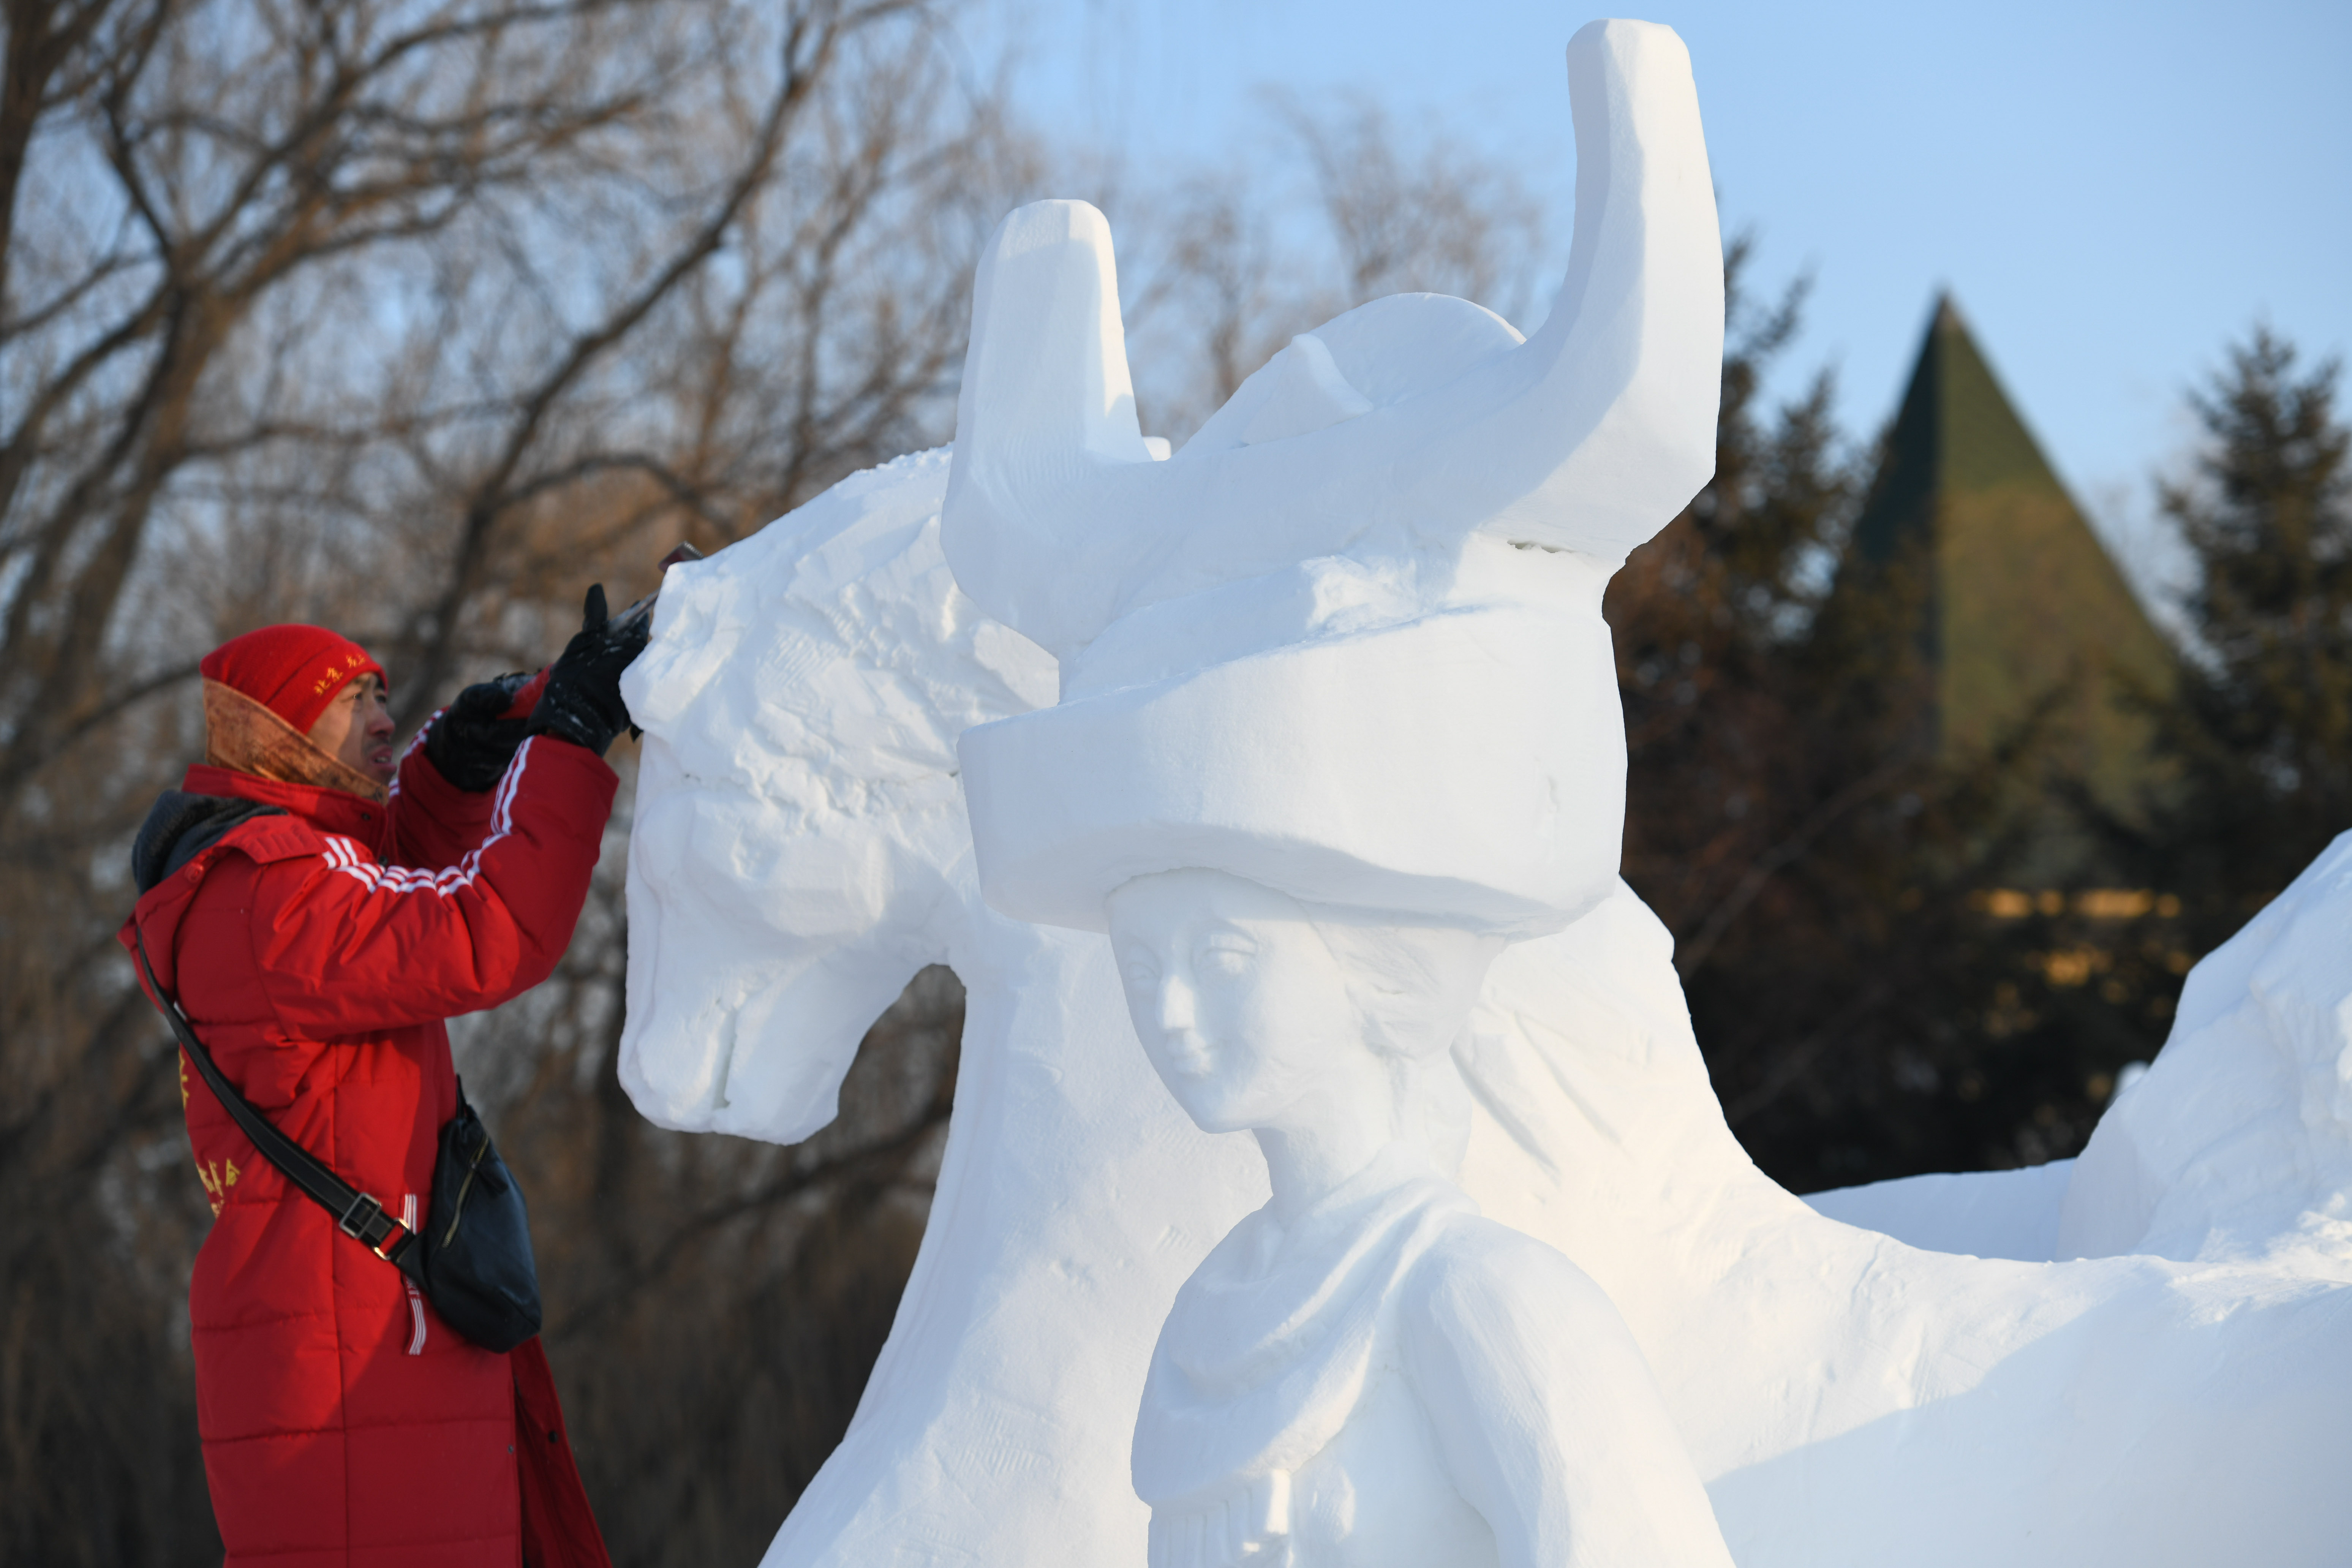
[{"x": 317, "y": 949}]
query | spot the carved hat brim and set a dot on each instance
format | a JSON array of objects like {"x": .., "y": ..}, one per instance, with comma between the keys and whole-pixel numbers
[{"x": 1466, "y": 768}]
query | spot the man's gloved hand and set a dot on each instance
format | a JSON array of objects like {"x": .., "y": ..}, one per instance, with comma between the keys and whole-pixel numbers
[
  {"x": 473, "y": 740},
  {"x": 583, "y": 701}
]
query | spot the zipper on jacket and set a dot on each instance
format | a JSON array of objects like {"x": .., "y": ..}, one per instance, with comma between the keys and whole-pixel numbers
[
  {"x": 458, "y": 1209},
  {"x": 415, "y": 1298}
]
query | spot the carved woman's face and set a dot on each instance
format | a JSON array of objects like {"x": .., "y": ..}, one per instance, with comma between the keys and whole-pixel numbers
[{"x": 1238, "y": 1001}]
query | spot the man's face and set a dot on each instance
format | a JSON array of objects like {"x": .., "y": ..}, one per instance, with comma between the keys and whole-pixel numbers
[{"x": 356, "y": 729}]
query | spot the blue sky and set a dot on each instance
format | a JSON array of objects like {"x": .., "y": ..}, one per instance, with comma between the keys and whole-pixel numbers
[{"x": 2113, "y": 192}]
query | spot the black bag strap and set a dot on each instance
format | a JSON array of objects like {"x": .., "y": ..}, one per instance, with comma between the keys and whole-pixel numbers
[{"x": 357, "y": 1213}]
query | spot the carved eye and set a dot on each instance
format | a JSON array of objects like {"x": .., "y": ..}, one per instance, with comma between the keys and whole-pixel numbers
[
  {"x": 1140, "y": 972},
  {"x": 1227, "y": 955}
]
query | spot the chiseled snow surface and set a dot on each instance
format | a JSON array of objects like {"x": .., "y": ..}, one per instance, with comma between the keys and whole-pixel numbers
[
  {"x": 2236, "y": 1144},
  {"x": 800, "y": 850},
  {"x": 2177, "y": 1390},
  {"x": 1855, "y": 1400},
  {"x": 1339, "y": 666},
  {"x": 1981, "y": 1214},
  {"x": 1850, "y": 1399}
]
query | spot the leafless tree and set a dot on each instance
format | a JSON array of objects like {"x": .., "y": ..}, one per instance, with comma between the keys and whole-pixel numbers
[
  {"x": 1334, "y": 205},
  {"x": 412, "y": 317}
]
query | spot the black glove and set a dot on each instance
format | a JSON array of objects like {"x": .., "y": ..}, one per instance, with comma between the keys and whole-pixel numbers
[
  {"x": 583, "y": 701},
  {"x": 469, "y": 742}
]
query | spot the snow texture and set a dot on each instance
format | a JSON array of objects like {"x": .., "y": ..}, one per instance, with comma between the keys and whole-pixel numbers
[
  {"x": 1848, "y": 1398},
  {"x": 800, "y": 849},
  {"x": 2178, "y": 1390},
  {"x": 2235, "y": 1146},
  {"x": 1984, "y": 1214},
  {"x": 1409, "y": 500},
  {"x": 1312, "y": 775}
]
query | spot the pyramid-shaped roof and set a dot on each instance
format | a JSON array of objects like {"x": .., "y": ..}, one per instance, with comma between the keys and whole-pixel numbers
[{"x": 2020, "y": 595}]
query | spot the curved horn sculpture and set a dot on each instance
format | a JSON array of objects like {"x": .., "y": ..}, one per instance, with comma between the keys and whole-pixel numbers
[{"x": 1589, "y": 436}]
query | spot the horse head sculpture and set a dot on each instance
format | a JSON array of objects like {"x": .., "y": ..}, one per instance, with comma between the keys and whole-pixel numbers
[
  {"x": 800, "y": 846},
  {"x": 800, "y": 850}
]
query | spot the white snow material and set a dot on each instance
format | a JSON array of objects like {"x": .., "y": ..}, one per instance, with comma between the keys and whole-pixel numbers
[
  {"x": 1981, "y": 1214},
  {"x": 1852, "y": 1400},
  {"x": 1382, "y": 560},
  {"x": 1848, "y": 1398},
  {"x": 1363, "y": 683},
  {"x": 1588, "y": 436},
  {"x": 802, "y": 847},
  {"x": 2237, "y": 1141},
  {"x": 1235, "y": 768},
  {"x": 798, "y": 820}
]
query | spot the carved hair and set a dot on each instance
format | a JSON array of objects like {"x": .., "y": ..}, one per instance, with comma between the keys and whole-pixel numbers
[{"x": 1413, "y": 987}]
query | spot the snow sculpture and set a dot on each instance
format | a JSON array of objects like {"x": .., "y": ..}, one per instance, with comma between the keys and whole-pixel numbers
[
  {"x": 1984, "y": 1214},
  {"x": 2220, "y": 1149},
  {"x": 1338, "y": 718},
  {"x": 1848, "y": 1400},
  {"x": 1851, "y": 1400},
  {"x": 1365, "y": 1370},
  {"x": 801, "y": 848}
]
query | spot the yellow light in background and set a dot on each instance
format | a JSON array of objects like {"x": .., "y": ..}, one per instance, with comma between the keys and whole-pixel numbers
[
  {"x": 2114, "y": 903},
  {"x": 2092, "y": 903}
]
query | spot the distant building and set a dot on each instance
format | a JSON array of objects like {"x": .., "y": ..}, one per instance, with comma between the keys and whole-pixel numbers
[{"x": 2011, "y": 598}]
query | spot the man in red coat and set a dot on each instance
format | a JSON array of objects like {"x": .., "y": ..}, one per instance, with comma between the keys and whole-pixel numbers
[{"x": 319, "y": 909}]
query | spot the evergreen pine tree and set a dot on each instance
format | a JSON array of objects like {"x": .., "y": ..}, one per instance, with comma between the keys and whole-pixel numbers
[
  {"x": 1868, "y": 1009},
  {"x": 2261, "y": 731}
]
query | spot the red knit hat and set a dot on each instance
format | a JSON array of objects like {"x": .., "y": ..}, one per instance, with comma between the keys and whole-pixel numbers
[{"x": 292, "y": 670}]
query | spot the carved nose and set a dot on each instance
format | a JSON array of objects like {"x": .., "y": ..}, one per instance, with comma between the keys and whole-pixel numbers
[{"x": 1176, "y": 1011}]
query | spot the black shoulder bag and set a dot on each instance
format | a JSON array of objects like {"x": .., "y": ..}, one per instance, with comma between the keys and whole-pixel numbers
[{"x": 473, "y": 1258}]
